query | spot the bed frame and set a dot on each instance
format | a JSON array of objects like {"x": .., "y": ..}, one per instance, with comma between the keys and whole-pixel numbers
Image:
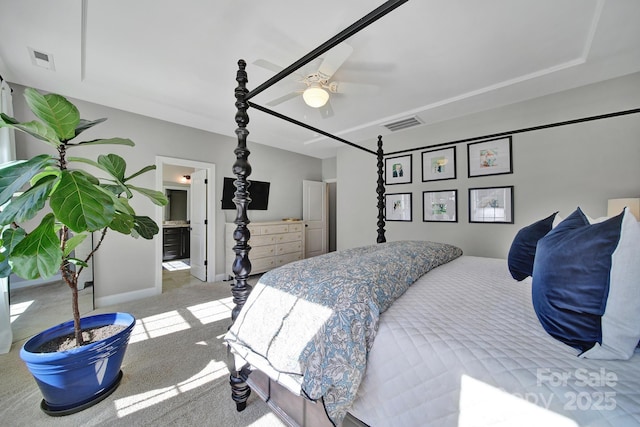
[
  {"x": 295, "y": 410},
  {"x": 239, "y": 375}
]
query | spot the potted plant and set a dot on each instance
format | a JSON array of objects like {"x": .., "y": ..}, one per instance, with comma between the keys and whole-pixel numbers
[{"x": 70, "y": 204}]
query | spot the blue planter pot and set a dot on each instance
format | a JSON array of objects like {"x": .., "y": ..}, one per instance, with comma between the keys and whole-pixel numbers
[{"x": 75, "y": 379}]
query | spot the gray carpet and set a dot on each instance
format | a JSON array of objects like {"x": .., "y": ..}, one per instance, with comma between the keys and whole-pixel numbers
[{"x": 174, "y": 370}]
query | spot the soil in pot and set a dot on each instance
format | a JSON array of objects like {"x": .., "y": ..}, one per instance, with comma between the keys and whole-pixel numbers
[{"x": 68, "y": 342}]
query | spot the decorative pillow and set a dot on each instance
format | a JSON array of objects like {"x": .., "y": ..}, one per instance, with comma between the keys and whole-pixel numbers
[
  {"x": 586, "y": 291},
  {"x": 523, "y": 247}
]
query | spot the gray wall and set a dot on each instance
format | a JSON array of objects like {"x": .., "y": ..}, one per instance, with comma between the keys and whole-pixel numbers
[
  {"x": 555, "y": 169},
  {"x": 125, "y": 266},
  {"x": 329, "y": 168}
]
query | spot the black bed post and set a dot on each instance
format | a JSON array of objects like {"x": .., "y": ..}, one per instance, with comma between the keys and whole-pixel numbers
[
  {"x": 240, "y": 290},
  {"x": 380, "y": 191}
]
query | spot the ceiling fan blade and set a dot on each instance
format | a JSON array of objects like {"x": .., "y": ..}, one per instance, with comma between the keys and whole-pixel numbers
[
  {"x": 282, "y": 99},
  {"x": 297, "y": 75},
  {"x": 353, "y": 88},
  {"x": 268, "y": 65},
  {"x": 326, "y": 110},
  {"x": 334, "y": 58}
]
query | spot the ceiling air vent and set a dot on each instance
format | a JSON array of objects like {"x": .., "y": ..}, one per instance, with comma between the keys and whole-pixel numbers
[
  {"x": 41, "y": 59},
  {"x": 403, "y": 124}
]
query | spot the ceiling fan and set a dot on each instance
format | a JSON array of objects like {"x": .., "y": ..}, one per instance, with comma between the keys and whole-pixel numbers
[{"x": 318, "y": 84}]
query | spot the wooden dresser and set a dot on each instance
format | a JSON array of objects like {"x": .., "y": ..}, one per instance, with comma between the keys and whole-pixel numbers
[{"x": 272, "y": 244}]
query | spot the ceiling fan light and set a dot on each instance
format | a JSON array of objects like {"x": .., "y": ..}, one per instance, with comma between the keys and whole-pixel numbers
[{"x": 315, "y": 96}]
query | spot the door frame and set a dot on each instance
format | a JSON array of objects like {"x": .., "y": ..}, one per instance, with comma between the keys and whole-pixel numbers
[{"x": 211, "y": 214}]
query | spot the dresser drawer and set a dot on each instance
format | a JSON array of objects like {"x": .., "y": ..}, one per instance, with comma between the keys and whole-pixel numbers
[
  {"x": 255, "y": 230},
  {"x": 274, "y": 229},
  {"x": 288, "y": 237},
  {"x": 262, "y": 240},
  {"x": 287, "y": 258},
  {"x": 287, "y": 248},
  {"x": 295, "y": 227},
  {"x": 272, "y": 244},
  {"x": 262, "y": 251},
  {"x": 263, "y": 264}
]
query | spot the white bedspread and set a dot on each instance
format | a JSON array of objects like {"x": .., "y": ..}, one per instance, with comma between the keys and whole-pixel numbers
[{"x": 463, "y": 347}]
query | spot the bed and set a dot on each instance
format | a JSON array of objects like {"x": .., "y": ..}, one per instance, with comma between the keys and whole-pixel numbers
[
  {"x": 443, "y": 339},
  {"x": 463, "y": 346}
]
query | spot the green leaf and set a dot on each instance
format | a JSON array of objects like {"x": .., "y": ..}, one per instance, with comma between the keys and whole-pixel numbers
[
  {"x": 84, "y": 160},
  {"x": 145, "y": 227},
  {"x": 123, "y": 220},
  {"x": 48, "y": 171},
  {"x": 81, "y": 205},
  {"x": 26, "y": 206},
  {"x": 86, "y": 124},
  {"x": 141, "y": 171},
  {"x": 38, "y": 255},
  {"x": 56, "y": 111},
  {"x": 114, "y": 165},
  {"x": 110, "y": 141},
  {"x": 110, "y": 166},
  {"x": 14, "y": 175},
  {"x": 122, "y": 205},
  {"x": 10, "y": 238},
  {"x": 76, "y": 261},
  {"x": 34, "y": 128},
  {"x": 92, "y": 179},
  {"x": 117, "y": 189},
  {"x": 73, "y": 242},
  {"x": 155, "y": 196},
  {"x": 122, "y": 223}
]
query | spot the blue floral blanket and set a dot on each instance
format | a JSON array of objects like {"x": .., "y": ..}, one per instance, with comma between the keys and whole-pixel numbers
[{"x": 311, "y": 323}]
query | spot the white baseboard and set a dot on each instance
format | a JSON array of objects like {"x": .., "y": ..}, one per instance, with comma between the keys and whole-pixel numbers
[
  {"x": 125, "y": 297},
  {"x": 220, "y": 277},
  {"x": 13, "y": 284}
]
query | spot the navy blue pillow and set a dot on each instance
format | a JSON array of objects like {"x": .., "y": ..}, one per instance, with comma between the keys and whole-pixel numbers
[
  {"x": 523, "y": 247},
  {"x": 571, "y": 275}
]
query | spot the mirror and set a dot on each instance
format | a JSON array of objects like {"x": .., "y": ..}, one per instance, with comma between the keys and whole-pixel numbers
[
  {"x": 178, "y": 207},
  {"x": 36, "y": 305}
]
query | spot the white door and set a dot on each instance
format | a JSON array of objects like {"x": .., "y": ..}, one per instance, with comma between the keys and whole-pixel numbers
[
  {"x": 314, "y": 214},
  {"x": 198, "y": 207}
]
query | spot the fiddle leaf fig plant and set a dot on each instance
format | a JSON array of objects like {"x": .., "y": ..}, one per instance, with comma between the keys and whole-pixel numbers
[{"x": 73, "y": 201}]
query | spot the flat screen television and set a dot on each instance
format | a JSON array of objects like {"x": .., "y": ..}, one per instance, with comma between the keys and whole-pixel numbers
[{"x": 258, "y": 192}]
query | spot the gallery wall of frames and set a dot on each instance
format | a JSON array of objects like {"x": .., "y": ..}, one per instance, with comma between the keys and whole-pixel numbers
[{"x": 491, "y": 205}]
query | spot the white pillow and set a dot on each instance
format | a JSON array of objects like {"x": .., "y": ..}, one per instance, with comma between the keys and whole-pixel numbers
[{"x": 621, "y": 319}]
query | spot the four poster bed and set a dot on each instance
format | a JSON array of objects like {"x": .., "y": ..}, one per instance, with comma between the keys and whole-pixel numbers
[{"x": 459, "y": 340}]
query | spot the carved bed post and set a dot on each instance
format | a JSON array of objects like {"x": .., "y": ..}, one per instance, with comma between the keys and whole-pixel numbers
[
  {"x": 380, "y": 191},
  {"x": 240, "y": 391}
]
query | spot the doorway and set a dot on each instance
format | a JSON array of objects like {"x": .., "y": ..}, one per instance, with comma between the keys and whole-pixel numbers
[
  {"x": 332, "y": 185},
  {"x": 204, "y": 195}
]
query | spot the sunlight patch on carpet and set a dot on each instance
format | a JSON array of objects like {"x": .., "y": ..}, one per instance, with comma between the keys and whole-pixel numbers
[
  {"x": 158, "y": 325},
  {"x": 176, "y": 265},
  {"x": 267, "y": 419},
  {"x": 171, "y": 321},
  {"x": 18, "y": 309},
  {"x": 131, "y": 404},
  {"x": 212, "y": 311}
]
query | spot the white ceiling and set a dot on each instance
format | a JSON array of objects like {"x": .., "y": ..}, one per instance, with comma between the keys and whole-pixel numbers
[{"x": 435, "y": 59}]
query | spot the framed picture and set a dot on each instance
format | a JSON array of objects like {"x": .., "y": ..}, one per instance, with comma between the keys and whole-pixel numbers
[
  {"x": 440, "y": 206},
  {"x": 491, "y": 204},
  {"x": 398, "y": 207},
  {"x": 439, "y": 164},
  {"x": 398, "y": 170},
  {"x": 491, "y": 157}
]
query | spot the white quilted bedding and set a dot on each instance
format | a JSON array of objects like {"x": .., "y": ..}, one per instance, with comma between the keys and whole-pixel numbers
[{"x": 463, "y": 347}]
